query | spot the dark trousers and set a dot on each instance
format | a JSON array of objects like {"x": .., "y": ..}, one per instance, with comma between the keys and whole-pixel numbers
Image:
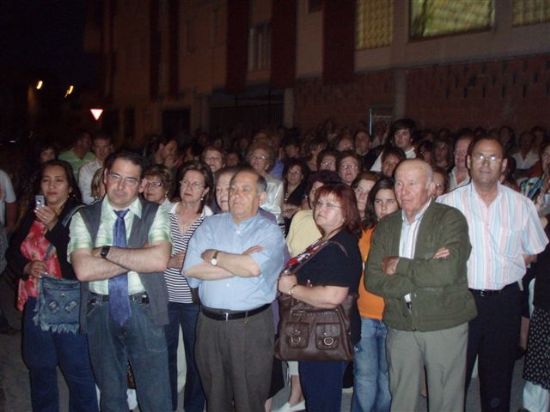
[
  {"x": 184, "y": 315},
  {"x": 322, "y": 384},
  {"x": 494, "y": 337},
  {"x": 235, "y": 358},
  {"x": 140, "y": 341},
  {"x": 42, "y": 352}
]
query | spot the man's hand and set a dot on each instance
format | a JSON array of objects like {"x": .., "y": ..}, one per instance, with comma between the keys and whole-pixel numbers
[
  {"x": 176, "y": 261},
  {"x": 441, "y": 253},
  {"x": 389, "y": 265},
  {"x": 253, "y": 249},
  {"x": 208, "y": 254}
]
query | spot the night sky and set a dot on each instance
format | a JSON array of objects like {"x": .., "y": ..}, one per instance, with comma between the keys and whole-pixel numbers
[{"x": 45, "y": 35}]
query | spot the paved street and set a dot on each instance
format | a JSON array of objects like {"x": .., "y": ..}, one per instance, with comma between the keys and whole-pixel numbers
[{"x": 14, "y": 386}]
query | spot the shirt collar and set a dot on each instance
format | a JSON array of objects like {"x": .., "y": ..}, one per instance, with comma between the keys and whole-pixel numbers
[
  {"x": 418, "y": 216},
  {"x": 134, "y": 208}
]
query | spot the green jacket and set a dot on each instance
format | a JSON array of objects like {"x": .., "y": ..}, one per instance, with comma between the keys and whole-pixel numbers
[{"x": 440, "y": 298}]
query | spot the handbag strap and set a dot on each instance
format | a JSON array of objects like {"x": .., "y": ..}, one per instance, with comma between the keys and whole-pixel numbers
[{"x": 296, "y": 263}]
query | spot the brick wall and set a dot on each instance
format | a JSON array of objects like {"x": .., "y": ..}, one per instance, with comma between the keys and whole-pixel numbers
[
  {"x": 515, "y": 92},
  {"x": 346, "y": 103}
]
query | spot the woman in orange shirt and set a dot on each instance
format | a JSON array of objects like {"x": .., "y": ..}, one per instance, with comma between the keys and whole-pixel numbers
[{"x": 371, "y": 392}]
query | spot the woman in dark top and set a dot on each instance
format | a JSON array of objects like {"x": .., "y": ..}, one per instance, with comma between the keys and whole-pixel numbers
[
  {"x": 294, "y": 182},
  {"x": 31, "y": 256},
  {"x": 325, "y": 281},
  {"x": 537, "y": 362}
]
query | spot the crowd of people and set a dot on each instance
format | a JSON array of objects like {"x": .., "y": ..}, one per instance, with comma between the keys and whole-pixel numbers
[{"x": 442, "y": 235}]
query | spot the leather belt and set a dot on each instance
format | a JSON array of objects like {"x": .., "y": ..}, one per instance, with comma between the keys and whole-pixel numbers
[
  {"x": 492, "y": 292},
  {"x": 141, "y": 297},
  {"x": 224, "y": 315}
]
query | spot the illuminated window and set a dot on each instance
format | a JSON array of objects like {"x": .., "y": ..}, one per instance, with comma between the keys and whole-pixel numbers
[
  {"x": 430, "y": 18},
  {"x": 530, "y": 12},
  {"x": 374, "y": 23},
  {"x": 259, "y": 47}
]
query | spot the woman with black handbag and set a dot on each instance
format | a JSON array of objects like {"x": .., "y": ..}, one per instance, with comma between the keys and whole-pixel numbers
[
  {"x": 39, "y": 249},
  {"x": 325, "y": 277}
]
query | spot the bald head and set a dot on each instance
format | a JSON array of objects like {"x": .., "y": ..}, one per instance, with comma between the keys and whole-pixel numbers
[
  {"x": 418, "y": 164},
  {"x": 413, "y": 186}
]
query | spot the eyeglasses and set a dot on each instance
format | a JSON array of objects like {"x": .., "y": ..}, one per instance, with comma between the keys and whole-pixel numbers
[
  {"x": 328, "y": 205},
  {"x": 481, "y": 158},
  {"x": 194, "y": 185},
  {"x": 127, "y": 181},
  {"x": 258, "y": 157},
  {"x": 154, "y": 184}
]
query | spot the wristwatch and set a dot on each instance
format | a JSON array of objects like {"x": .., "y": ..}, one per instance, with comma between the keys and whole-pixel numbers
[
  {"x": 214, "y": 260},
  {"x": 104, "y": 251}
]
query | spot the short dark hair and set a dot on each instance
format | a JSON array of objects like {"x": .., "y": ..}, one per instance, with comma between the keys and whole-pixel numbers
[
  {"x": 102, "y": 136},
  {"x": 348, "y": 153},
  {"x": 133, "y": 157},
  {"x": 322, "y": 176},
  {"x": 394, "y": 151},
  {"x": 326, "y": 152},
  {"x": 401, "y": 124},
  {"x": 487, "y": 137}
]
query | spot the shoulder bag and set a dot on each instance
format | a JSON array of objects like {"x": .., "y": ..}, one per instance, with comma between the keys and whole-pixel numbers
[
  {"x": 311, "y": 333},
  {"x": 58, "y": 304}
]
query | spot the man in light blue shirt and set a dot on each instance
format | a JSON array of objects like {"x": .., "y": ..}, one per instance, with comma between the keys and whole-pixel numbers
[{"x": 234, "y": 259}]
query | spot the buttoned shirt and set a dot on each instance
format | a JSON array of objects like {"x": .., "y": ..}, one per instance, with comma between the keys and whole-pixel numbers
[
  {"x": 409, "y": 233},
  {"x": 220, "y": 232},
  {"x": 501, "y": 235},
  {"x": 81, "y": 238}
]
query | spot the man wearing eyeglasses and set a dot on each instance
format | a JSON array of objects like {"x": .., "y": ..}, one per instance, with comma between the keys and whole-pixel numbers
[
  {"x": 119, "y": 248},
  {"x": 506, "y": 234},
  {"x": 234, "y": 259}
]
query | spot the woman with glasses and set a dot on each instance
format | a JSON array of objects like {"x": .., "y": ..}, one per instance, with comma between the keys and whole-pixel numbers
[
  {"x": 262, "y": 158},
  {"x": 157, "y": 185},
  {"x": 195, "y": 188},
  {"x": 324, "y": 281}
]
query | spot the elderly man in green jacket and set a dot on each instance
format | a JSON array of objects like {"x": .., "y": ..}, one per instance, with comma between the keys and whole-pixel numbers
[{"x": 417, "y": 263}]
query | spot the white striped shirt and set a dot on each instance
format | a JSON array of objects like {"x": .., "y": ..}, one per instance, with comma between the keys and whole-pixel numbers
[
  {"x": 501, "y": 234},
  {"x": 178, "y": 289}
]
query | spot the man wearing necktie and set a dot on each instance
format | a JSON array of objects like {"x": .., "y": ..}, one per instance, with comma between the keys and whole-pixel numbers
[{"x": 119, "y": 249}]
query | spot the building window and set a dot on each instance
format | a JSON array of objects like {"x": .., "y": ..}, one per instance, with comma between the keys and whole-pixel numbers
[
  {"x": 374, "y": 23},
  {"x": 432, "y": 18},
  {"x": 530, "y": 12},
  {"x": 259, "y": 47}
]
